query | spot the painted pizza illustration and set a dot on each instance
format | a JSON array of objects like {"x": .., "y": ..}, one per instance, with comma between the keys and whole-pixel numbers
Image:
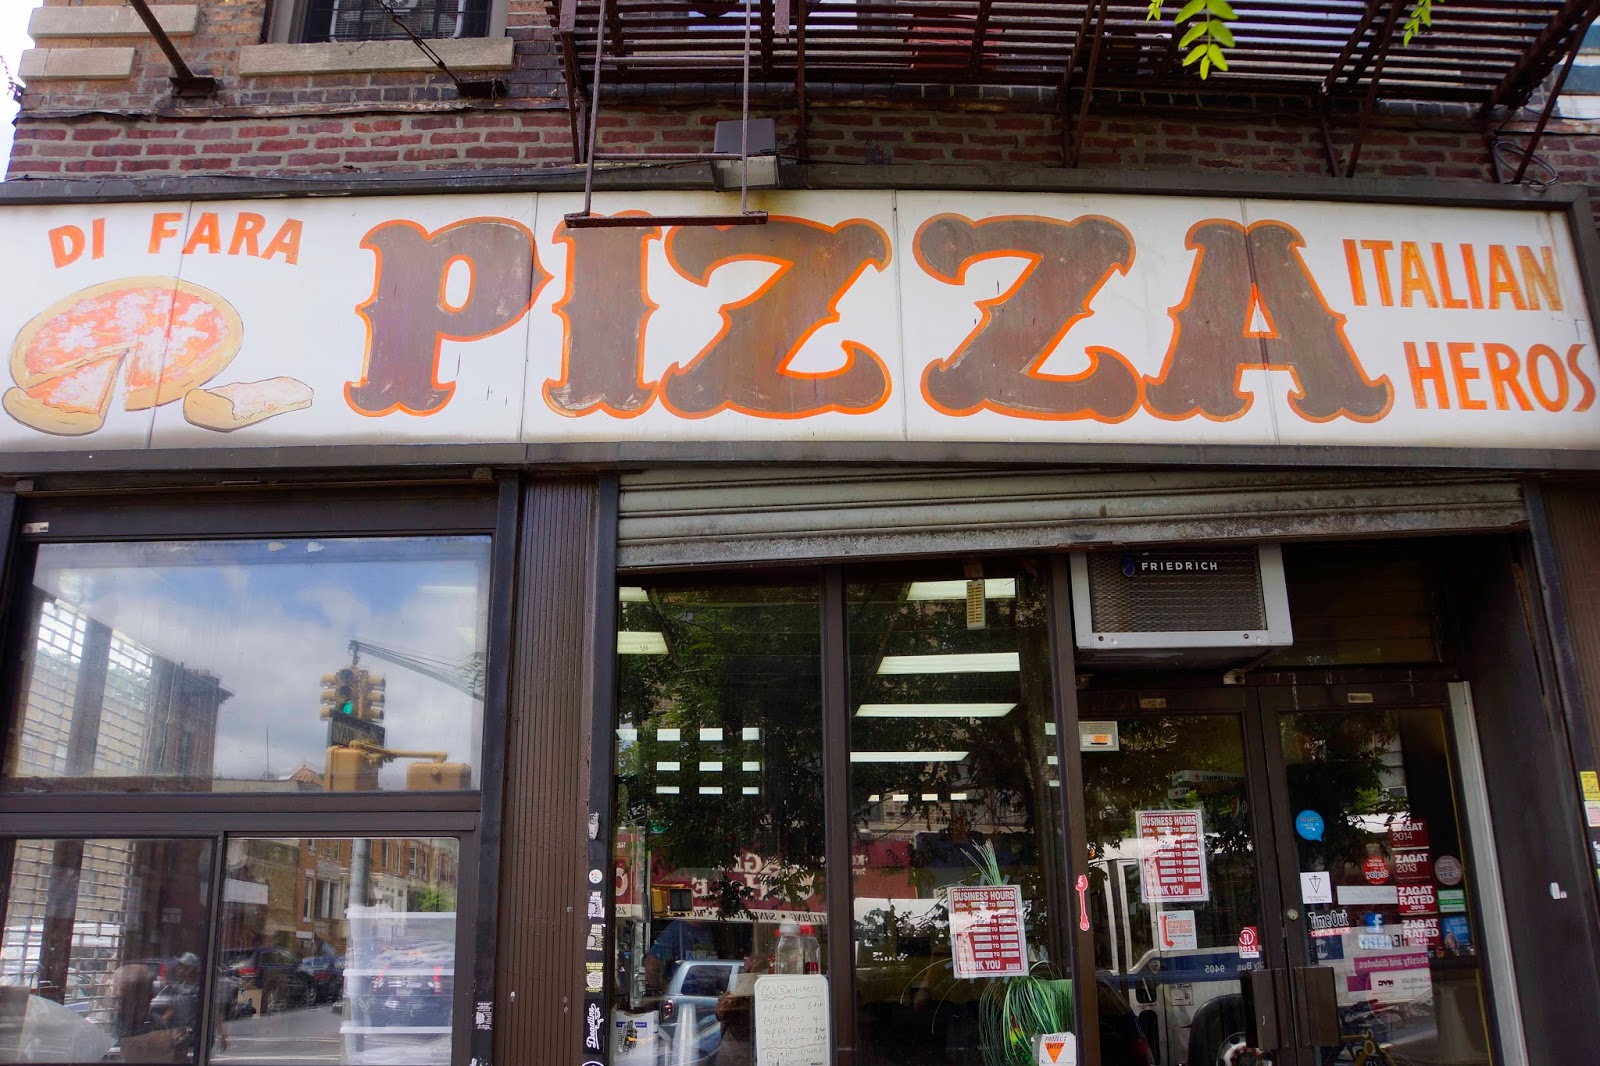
[{"x": 160, "y": 337}]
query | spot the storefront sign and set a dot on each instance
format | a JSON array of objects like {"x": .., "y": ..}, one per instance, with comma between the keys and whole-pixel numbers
[
  {"x": 1175, "y": 931},
  {"x": 1058, "y": 1049},
  {"x": 986, "y": 931},
  {"x": 1417, "y": 899},
  {"x": 1316, "y": 886},
  {"x": 1249, "y": 943},
  {"x": 1173, "y": 857},
  {"x": 1412, "y": 834},
  {"x": 1452, "y": 900},
  {"x": 1420, "y": 932},
  {"x": 1413, "y": 866},
  {"x": 851, "y": 316}
]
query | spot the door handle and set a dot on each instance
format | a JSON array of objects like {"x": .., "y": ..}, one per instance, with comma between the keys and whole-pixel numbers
[
  {"x": 1316, "y": 1004},
  {"x": 1263, "y": 991}
]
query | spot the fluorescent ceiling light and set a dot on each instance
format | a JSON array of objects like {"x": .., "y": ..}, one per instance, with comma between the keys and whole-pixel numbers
[
  {"x": 752, "y": 765},
  {"x": 1049, "y": 729},
  {"x": 874, "y": 798},
  {"x": 981, "y": 662},
  {"x": 632, "y": 594},
  {"x": 710, "y": 734},
  {"x": 908, "y": 756},
  {"x": 669, "y": 733},
  {"x": 958, "y": 796},
  {"x": 630, "y": 643},
  {"x": 935, "y": 710},
  {"x": 710, "y": 790},
  {"x": 751, "y": 790},
  {"x": 627, "y": 734},
  {"x": 750, "y": 732},
  {"x": 994, "y": 588},
  {"x": 930, "y": 797},
  {"x": 711, "y": 766},
  {"x": 900, "y": 797},
  {"x": 666, "y": 790},
  {"x": 667, "y": 767}
]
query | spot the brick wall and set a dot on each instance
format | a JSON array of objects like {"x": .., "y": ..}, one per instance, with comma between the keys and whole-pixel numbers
[{"x": 269, "y": 126}]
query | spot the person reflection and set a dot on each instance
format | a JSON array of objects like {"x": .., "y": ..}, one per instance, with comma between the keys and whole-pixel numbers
[{"x": 736, "y": 1011}]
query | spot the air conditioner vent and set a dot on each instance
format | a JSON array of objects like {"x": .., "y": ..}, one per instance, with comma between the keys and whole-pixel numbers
[{"x": 1179, "y": 606}]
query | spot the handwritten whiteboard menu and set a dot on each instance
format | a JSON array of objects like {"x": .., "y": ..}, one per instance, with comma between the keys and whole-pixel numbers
[{"x": 791, "y": 1020}]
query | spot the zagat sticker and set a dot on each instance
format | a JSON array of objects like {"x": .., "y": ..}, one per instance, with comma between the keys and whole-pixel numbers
[{"x": 1309, "y": 825}]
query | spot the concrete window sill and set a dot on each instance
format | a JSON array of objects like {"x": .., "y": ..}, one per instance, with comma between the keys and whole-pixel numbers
[
  {"x": 179, "y": 20},
  {"x": 374, "y": 57},
  {"x": 75, "y": 64}
]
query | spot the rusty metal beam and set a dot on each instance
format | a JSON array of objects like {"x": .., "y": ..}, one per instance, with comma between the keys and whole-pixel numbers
[
  {"x": 802, "y": 144},
  {"x": 1088, "y": 85},
  {"x": 567, "y": 32},
  {"x": 1379, "y": 56},
  {"x": 185, "y": 82},
  {"x": 1548, "y": 38},
  {"x": 980, "y": 31},
  {"x": 1550, "y": 99},
  {"x": 1350, "y": 47},
  {"x": 1064, "y": 93}
]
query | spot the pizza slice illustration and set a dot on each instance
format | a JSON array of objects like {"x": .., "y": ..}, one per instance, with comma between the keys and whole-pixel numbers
[{"x": 160, "y": 336}]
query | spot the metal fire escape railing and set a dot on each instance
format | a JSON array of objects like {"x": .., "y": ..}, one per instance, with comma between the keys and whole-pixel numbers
[
  {"x": 591, "y": 147},
  {"x": 1342, "y": 58}
]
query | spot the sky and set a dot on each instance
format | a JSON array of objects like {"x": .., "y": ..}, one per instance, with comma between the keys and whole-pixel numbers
[{"x": 13, "y": 39}]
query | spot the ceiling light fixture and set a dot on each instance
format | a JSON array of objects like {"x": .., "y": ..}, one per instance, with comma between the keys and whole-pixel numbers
[
  {"x": 994, "y": 588},
  {"x": 981, "y": 662},
  {"x": 908, "y": 756},
  {"x": 935, "y": 710},
  {"x": 629, "y": 643}
]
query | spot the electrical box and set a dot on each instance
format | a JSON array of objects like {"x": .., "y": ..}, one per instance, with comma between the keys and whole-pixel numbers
[{"x": 1181, "y": 606}]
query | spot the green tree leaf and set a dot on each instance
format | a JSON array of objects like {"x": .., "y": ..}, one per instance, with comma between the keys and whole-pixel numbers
[
  {"x": 1221, "y": 9},
  {"x": 1194, "y": 55},
  {"x": 1223, "y": 35},
  {"x": 1197, "y": 30},
  {"x": 1190, "y": 10}
]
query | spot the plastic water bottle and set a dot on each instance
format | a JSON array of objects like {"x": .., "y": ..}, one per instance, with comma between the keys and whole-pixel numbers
[
  {"x": 789, "y": 956},
  {"x": 810, "y": 949}
]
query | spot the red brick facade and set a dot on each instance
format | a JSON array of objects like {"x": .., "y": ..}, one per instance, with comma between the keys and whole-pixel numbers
[{"x": 363, "y": 123}]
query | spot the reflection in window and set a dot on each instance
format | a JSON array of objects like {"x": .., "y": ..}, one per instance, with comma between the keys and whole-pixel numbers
[
  {"x": 368, "y": 976},
  {"x": 237, "y": 665},
  {"x": 101, "y": 951},
  {"x": 953, "y": 768},
  {"x": 719, "y": 814}
]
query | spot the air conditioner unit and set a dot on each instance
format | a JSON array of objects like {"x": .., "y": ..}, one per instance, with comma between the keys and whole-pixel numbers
[{"x": 1179, "y": 606}]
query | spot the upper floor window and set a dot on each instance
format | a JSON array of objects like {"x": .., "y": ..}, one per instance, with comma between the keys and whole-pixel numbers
[{"x": 314, "y": 21}]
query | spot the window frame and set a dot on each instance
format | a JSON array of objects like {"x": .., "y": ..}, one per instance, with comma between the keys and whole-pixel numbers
[
  {"x": 285, "y": 23},
  {"x": 1065, "y": 823},
  {"x": 471, "y": 817}
]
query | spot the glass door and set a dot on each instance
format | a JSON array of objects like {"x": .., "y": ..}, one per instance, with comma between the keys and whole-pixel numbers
[
  {"x": 1174, "y": 816},
  {"x": 1380, "y": 915}
]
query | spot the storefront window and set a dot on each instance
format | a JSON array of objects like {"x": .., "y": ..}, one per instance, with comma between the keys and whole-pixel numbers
[
  {"x": 368, "y": 977},
  {"x": 953, "y": 786},
  {"x": 102, "y": 949},
  {"x": 720, "y": 817},
  {"x": 242, "y": 665}
]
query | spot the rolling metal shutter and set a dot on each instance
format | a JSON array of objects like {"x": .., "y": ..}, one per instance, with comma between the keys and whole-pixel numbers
[{"x": 687, "y": 516}]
